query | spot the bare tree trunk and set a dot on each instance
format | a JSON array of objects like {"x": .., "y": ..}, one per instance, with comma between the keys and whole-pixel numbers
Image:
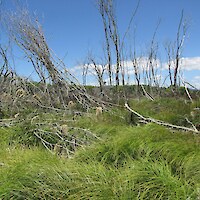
[
  {"x": 111, "y": 31},
  {"x": 99, "y": 72},
  {"x": 168, "y": 50},
  {"x": 115, "y": 37},
  {"x": 136, "y": 72},
  {"x": 179, "y": 46},
  {"x": 118, "y": 64},
  {"x": 108, "y": 49},
  {"x": 84, "y": 73},
  {"x": 152, "y": 59},
  {"x": 174, "y": 52}
]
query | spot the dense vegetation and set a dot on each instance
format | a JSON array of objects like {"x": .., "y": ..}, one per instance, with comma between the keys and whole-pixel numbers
[{"x": 127, "y": 161}]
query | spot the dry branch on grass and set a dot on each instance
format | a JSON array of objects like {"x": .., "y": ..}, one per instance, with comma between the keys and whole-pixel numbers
[{"x": 147, "y": 120}]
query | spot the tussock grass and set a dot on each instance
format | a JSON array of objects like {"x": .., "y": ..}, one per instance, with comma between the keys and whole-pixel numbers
[{"x": 129, "y": 162}]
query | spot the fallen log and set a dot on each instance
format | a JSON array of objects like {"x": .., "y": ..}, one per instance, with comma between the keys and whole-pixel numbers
[{"x": 162, "y": 123}]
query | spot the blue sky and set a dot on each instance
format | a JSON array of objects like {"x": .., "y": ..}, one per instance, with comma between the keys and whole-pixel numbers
[{"x": 74, "y": 27}]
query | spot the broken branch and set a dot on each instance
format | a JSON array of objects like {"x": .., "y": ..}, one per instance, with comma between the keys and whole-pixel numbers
[{"x": 194, "y": 130}]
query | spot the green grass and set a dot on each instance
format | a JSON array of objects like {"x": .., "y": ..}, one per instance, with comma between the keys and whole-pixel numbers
[
  {"x": 167, "y": 109},
  {"x": 129, "y": 162}
]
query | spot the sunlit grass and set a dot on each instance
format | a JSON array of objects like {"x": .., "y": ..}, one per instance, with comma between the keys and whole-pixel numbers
[{"x": 129, "y": 162}]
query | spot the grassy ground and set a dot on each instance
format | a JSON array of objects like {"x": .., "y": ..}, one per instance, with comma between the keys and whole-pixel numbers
[{"x": 129, "y": 162}]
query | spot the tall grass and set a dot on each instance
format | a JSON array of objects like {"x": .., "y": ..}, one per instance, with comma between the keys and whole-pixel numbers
[{"x": 129, "y": 162}]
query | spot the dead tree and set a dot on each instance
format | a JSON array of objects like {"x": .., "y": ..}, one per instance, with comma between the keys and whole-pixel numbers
[
  {"x": 152, "y": 60},
  {"x": 85, "y": 73},
  {"x": 113, "y": 39},
  {"x": 135, "y": 63},
  {"x": 5, "y": 70},
  {"x": 169, "y": 61},
  {"x": 174, "y": 51},
  {"x": 162, "y": 123},
  {"x": 58, "y": 82},
  {"x": 27, "y": 32},
  {"x": 180, "y": 38},
  {"x": 107, "y": 37},
  {"x": 111, "y": 33},
  {"x": 98, "y": 70}
]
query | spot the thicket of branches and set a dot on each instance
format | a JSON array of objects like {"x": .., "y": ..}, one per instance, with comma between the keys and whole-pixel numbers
[{"x": 57, "y": 92}]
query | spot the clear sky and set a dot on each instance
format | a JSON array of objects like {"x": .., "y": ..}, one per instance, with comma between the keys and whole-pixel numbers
[{"x": 74, "y": 27}]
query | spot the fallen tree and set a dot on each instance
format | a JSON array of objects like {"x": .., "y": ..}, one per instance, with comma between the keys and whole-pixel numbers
[
  {"x": 40, "y": 108},
  {"x": 162, "y": 123}
]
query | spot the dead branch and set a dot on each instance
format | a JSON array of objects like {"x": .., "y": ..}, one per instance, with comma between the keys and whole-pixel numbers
[
  {"x": 57, "y": 85},
  {"x": 146, "y": 93},
  {"x": 186, "y": 89},
  {"x": 145, "y": 119}
]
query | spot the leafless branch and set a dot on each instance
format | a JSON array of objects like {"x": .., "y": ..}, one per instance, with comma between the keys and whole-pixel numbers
[{"x": 193, "y": 130}]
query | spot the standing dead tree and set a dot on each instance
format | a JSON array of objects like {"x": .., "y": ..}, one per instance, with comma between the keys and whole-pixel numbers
[
  {"x": 136, "y": 71},
  {"x": 152, "y": 60},
  {"x": 113, "y": 39},
  {"x": 179, "y": 45},
  {"x": 106, "y": 32},
  {"x": 169, "y": 61},
  {"x": 99, "y": 70},
  {"x": 174, "y": 51},
  {"x": 5, "y": 70},
  {"x": 135, "y": 62},
  {"x": 85, "y": 72},
  {"x": 111, "y": 34}
]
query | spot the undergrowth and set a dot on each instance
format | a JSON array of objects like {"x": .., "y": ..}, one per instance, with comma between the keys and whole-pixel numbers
[{"x": 129, "y": 162}]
